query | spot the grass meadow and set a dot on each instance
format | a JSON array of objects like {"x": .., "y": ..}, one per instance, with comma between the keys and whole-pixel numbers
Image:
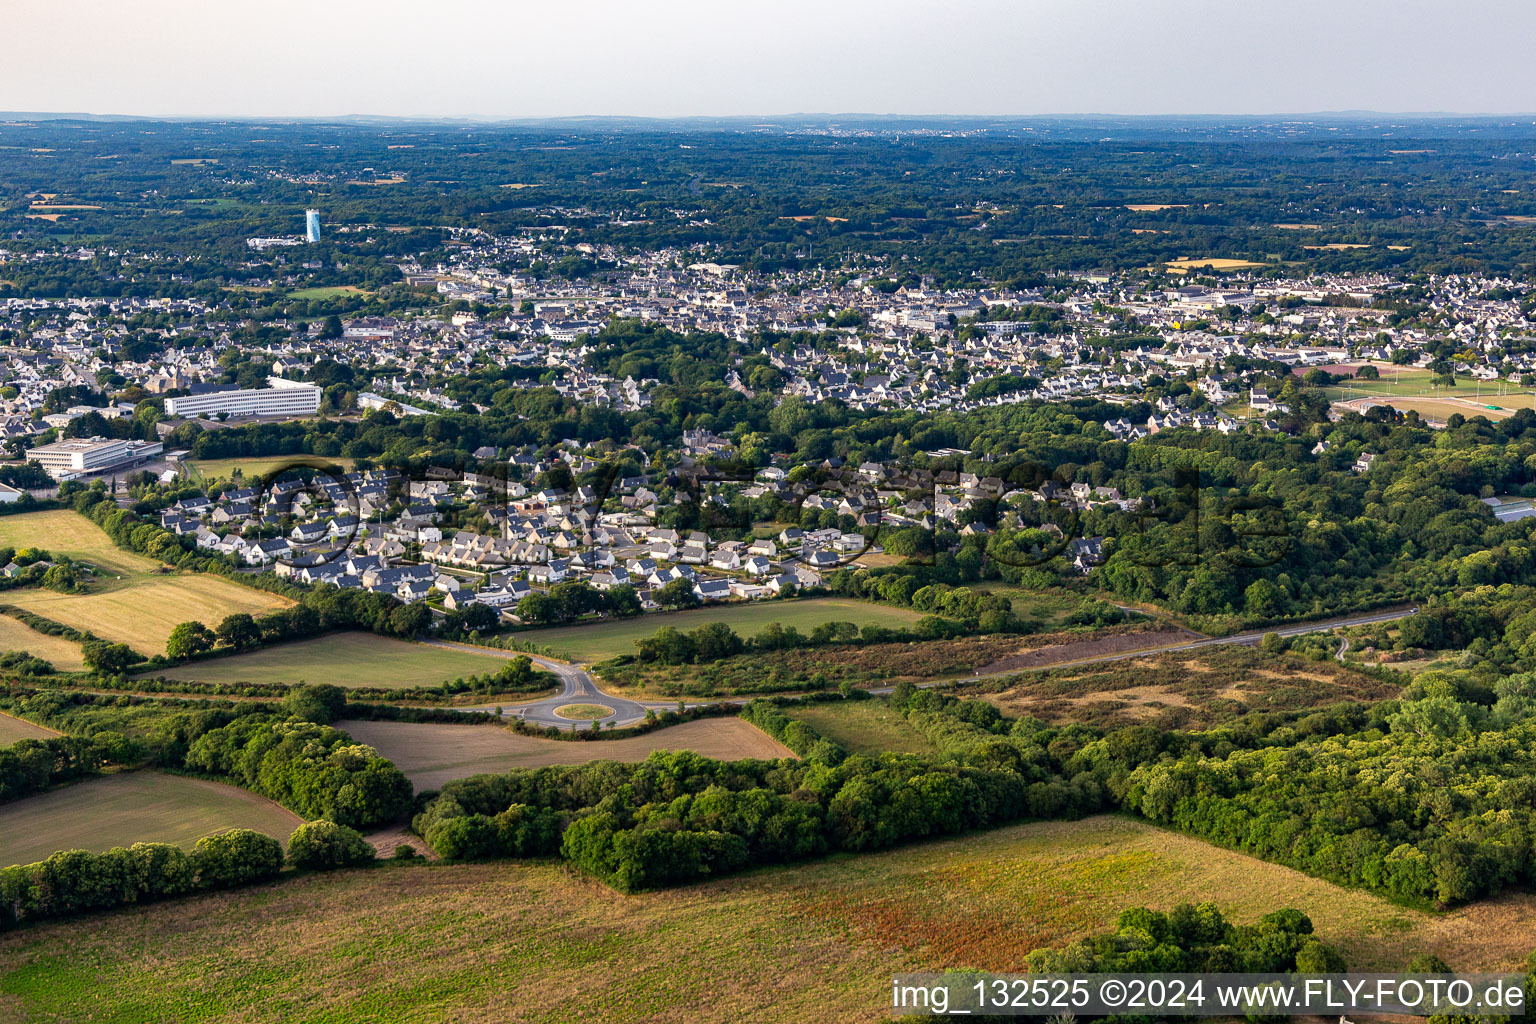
[
  {"x": 863, "y": 727},
  {"x": 342, "y": 659},
  {"x": 252, "y": 469},
  {"x": 538, "y": 943},
  {"x": 119, "y": 810},
  {"x": 599, "y": 641}
]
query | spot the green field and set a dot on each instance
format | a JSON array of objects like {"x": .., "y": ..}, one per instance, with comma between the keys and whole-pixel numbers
[
  {"x": 538, "y": 943},
  {"x": 863, "y": 726},
  {"x": 135, "y": 807},
  {"x": 252, "y": 469},
  {"x": 328, "y": 292},
  {"x": 345, "y": 659},
  {"x": 68, "y": 533},
  {"x": 13, "y": 729},
  {"x": 600, "y": 641}
]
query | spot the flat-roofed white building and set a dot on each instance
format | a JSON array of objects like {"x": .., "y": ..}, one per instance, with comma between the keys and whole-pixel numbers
[
  {"x": 78, "y": 456},
  {"x": 283, "y": 398}
]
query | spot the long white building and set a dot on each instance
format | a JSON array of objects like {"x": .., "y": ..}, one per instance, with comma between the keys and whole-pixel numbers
[
  {"x": 283, "y": 398},
  {"x": 78, "y": 456}
]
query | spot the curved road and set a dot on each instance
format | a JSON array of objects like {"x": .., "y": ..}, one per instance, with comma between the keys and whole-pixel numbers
[{"x": 578, "y": 687}]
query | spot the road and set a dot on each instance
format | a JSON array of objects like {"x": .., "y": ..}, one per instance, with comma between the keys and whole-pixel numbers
[{"x": 578, "y": 687}]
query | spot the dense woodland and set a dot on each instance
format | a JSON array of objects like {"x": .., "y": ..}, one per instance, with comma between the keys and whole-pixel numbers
[{"x": 931, "y": 202}]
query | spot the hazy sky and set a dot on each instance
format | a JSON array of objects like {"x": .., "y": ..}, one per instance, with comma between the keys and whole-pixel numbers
[{"x": 680, "y": 57}]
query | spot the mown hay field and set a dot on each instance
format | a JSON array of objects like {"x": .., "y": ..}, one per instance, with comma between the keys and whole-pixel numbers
[
  {"x": 13, "y": 729},
  {"x": 134, "y": 807},
  {"x": 16, "y": 636},
  {"x": 61, "y": 532},
  {"x": 142, "y": 611},
  {"x": 432, "y": 753},
  {"x": 538, "y": 943}
]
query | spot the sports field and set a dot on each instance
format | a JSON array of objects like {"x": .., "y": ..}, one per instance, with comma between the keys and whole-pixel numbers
[
  {"x": 13, "y": 729},
  {"x": 431, "y": 753},
  {"x": 343, "y": 659},
  {"x": 782, "y": 944},
  {"x": 135, "y": 807},
  {"x": 64, "y": 654},
  {"x": 142, "y": 611},
  {"x": 599, "y": 641},
  {"x": 62, "y": 532}
]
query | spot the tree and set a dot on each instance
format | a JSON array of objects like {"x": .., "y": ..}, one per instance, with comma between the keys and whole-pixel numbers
[
  {"x": 238, "y": 631},
  {"x": 540, "y": 609},
  {"x": 324, "y": 845},
  {"x": 677, "y": 594},
  {"x": 188, "y": 639},
  {"x": 236, "y": 857},
  {"x": 107, "y": 659},
  {"x": 623, "y": 602},
  {"x": 331, "y": 327},
  {"x": 410, "y": 619},
  {"x": 321, "y": 702}
]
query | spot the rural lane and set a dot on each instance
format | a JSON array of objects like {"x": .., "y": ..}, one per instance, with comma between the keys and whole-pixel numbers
[{"x": 578, "y": 687}]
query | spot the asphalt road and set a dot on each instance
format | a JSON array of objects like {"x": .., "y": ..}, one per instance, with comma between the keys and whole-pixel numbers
[{"x": 578, "y": 687}]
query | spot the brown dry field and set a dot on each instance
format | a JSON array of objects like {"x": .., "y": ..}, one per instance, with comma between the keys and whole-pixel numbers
[
  {"x": 539, "y": 943},
  {"x": 1058, "y": 653},
  {"x": 432, "y": 753},
  {"x": 65, "y": 655},
  {"x": 13, "y": 729},
  {"x": 1181, "y": 690}
]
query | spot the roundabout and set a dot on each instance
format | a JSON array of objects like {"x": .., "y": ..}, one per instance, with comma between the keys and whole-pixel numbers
[{"x": 585, "y": 712}]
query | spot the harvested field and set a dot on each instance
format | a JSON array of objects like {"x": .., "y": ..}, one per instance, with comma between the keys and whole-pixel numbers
[
  {"x": 778, "y": 945},
  {"x": 63, "y": 654},
  {"x": 142, "y": 612},
  {"x": 134, "y": 807},
  {"x": 433, "y": 753},
  {"x": 13, "y": 729},
  {"x": 62, "y": 532}
]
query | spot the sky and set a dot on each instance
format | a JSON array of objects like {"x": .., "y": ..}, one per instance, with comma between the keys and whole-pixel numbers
[{"x": 673, "y": 58}]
